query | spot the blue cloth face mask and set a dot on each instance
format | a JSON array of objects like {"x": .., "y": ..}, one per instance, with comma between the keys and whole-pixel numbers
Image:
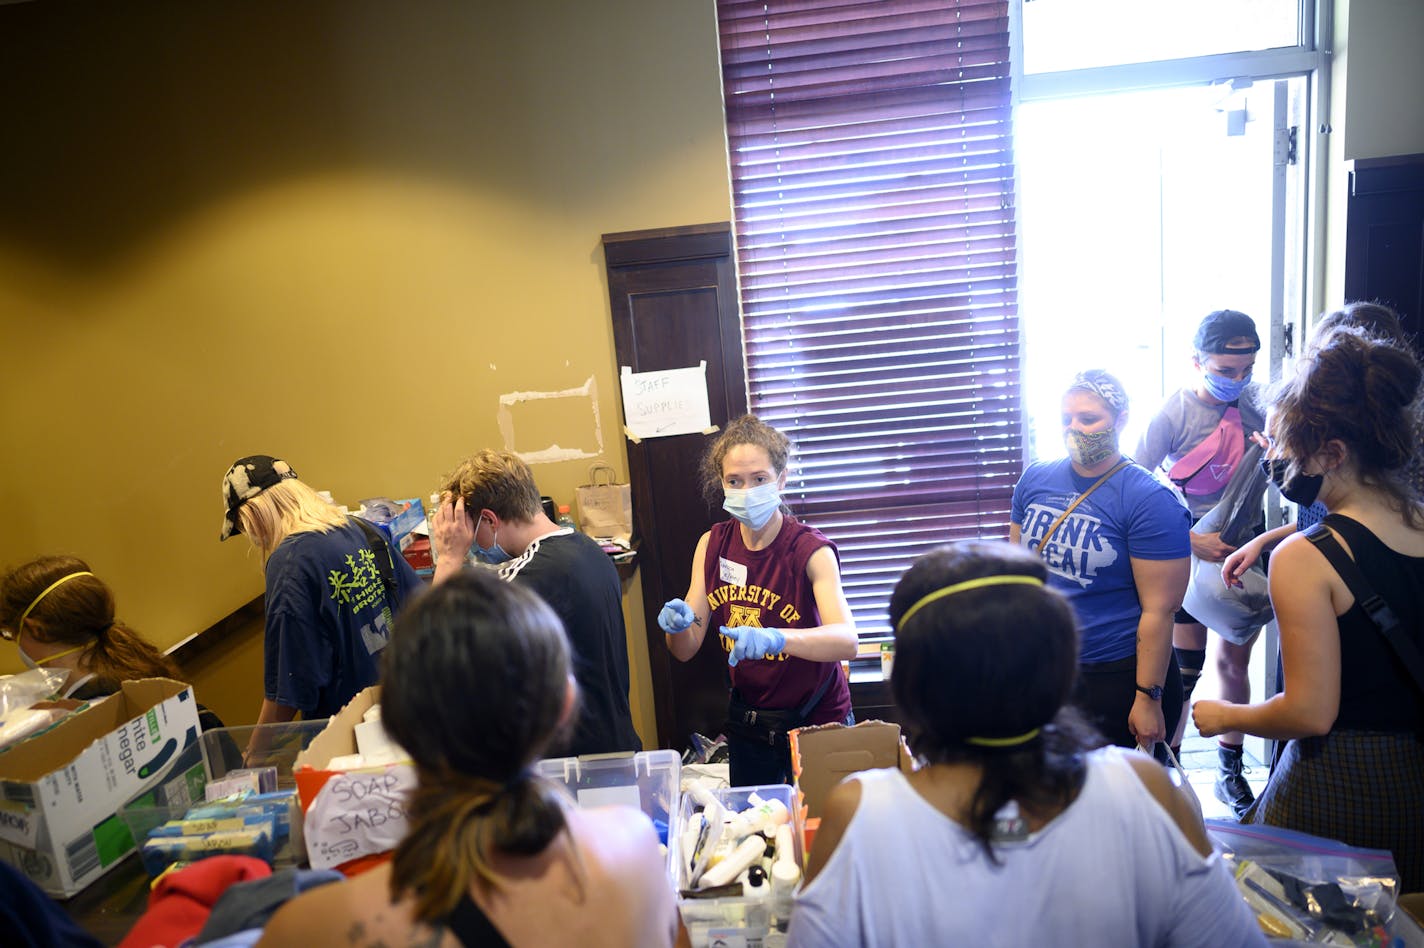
[
  {"x": 753, "y": 506},
  {"x": 491, "y": 555},
  {"x": 1224, "y": 390}
]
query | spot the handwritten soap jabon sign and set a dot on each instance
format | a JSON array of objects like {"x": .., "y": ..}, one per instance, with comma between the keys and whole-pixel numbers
[
  {"x": 358, "y": 814},
  {"x": 670, "y": 402}
]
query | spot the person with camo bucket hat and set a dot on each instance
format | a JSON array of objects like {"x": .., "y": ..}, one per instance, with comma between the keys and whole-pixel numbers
[
  {"x": 333, "y": 588},
  {"x": 1115, "y": 542}
]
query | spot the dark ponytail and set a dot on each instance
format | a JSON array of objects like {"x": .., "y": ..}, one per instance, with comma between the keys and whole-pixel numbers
[
  {"x": 474, "y": 747},
  {"x": 984, "y": 675}
]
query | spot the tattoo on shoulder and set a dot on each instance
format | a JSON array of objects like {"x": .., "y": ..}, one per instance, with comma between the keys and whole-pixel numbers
[{"x": 424, "y": 937}]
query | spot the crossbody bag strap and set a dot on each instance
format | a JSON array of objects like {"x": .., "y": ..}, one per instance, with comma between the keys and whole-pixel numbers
[
  {"x": 1078, "y": 500},
  {"x": 1374, "y": 605},
  {"x": 385, "y": 565}
]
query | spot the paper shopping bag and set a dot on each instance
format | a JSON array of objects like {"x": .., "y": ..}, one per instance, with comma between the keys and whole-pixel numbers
[{"x": 605, "y": 507}]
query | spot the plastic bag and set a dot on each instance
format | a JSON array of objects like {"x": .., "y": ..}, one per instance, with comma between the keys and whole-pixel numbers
[
  {"x": 18, "y": 692},
  {"x": 1178, "y": 776},
  {"x": 1236, "y": 612},
  {"x": 1309, "y": 886},
  {"x": 18, "y": 695}
]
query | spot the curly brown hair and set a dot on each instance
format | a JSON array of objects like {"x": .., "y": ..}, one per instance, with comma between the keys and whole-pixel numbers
[
  {"x": 1362, "y": 391},
  {"x": 748, "y": 429}
]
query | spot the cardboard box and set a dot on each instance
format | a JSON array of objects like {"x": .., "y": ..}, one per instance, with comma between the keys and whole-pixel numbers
[
  {"x": 61, "y": 790},
  {"x": 351, "y": 819},
  {"x": 398, "y": 531},
  {"x": 823, "y": 756}
]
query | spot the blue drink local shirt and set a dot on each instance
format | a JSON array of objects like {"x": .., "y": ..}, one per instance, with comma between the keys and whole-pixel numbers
[{"x": 1089, "y": 559}]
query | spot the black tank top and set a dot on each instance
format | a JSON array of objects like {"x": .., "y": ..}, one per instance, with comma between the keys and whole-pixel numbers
[
  {"x": 1376, "y": 690},
  {"x": 471, "y": 927}
]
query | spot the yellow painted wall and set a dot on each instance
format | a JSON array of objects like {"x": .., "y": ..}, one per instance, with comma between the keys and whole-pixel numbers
[
  {"x": 333, "y": 231},
  {"x": 1376, "y": 75}
]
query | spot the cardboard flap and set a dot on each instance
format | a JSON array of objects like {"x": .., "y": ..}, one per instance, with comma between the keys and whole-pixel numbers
[
  {"x": 824, "y": 756},
  {"x": 42, "y": 753},
  {"x": 338, "y": 738}
]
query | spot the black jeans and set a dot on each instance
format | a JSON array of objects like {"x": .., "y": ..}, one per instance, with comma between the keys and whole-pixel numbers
[
  {"x": 1106, "y": 691},
  {"x": 756, "y": 763}
]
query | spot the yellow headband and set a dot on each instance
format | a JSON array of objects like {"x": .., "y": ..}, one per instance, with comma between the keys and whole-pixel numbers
[
  {"x": 1010, "y": 579},
  {"x": 48, "y": 589},
  {"x": 1003, "y": 741}
]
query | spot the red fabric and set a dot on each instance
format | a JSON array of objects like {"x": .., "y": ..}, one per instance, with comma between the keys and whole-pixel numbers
[{"x": 181, "y": 901}]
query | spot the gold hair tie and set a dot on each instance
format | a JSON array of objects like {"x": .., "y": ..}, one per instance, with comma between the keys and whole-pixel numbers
[
  {"x": 1007, "y": 579},
  {"x": 1004, "y": 741}
]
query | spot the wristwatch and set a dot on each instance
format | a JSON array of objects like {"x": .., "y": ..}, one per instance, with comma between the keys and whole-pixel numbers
[{"x": 1155, "y": 692}]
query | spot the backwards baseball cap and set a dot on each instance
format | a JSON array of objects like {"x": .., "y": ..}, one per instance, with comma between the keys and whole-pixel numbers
[
  {"x": 247, "y": 478},
  {"x": 1222, "y": 326}
]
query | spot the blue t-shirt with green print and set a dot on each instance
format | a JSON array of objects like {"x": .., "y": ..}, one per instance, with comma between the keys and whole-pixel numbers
[{"x": 328, "y": 618}]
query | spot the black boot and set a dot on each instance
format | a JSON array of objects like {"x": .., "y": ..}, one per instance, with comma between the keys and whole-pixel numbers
[{"x": 1231, "y": 788}]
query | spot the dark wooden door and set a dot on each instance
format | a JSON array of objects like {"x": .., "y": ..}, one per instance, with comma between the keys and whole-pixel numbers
[
  {"x": 674, "y": 302},
  {"x": 1384, "y": 238}
]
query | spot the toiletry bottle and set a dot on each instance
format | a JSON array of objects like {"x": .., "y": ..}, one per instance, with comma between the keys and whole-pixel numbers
[{"x": 758, "y": 893}]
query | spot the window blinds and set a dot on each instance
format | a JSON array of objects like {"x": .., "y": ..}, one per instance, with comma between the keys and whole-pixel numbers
[{"x": 872, "y": 167}]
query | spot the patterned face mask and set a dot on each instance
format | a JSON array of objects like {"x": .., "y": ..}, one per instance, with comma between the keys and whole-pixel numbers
[{"x": 1090, "y": 449}]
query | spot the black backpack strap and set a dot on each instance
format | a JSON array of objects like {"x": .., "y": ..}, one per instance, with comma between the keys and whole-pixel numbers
[
  {"x": 1374, "y": 605},
  {"x": 833, "y": 670},
  {"x": 385, "y": 565}
]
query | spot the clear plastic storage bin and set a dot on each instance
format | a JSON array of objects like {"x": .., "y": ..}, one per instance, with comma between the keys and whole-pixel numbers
[
  {"x": 649, "y": 780},
  {"x": 264, "y": 745},
  {"x": 732, "y": 920}
]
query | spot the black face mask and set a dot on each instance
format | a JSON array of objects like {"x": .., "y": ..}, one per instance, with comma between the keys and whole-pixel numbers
[{"x": 1301, "y": 489}]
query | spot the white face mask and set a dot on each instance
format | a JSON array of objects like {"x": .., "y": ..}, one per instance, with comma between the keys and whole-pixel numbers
[{"x": 36, "y": 663}]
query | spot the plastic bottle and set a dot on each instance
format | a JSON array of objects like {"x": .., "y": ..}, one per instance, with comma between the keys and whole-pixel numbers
[
  {"x": 758, "y": 893},
  {"x": 565, "y": 518},
  {"x": 784, "y": 876}
]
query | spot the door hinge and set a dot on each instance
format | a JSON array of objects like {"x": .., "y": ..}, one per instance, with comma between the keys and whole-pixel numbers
[
  {"x": 1288, "y": 339},
  {"x": 1286, "y": 152}
]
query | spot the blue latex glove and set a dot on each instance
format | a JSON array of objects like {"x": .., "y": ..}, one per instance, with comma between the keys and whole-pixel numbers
[
  {"x": 676, "y": 617},
  {"x": 750, "y": 641}
]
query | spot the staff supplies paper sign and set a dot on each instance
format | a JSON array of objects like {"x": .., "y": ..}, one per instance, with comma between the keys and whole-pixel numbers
[
  {"x": 670, "y": 402},
  {"x": 357, "y": 814}
]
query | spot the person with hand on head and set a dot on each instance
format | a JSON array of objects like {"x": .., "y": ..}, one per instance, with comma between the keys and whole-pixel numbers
[
  {"x": 1040, "y": 841},
  {"x": 491, "y": 509},
  {"x": 1115, "y": 543},
  {"x": 1351, "y": 709},
  {"x": 334, "y": 586},
  {"x": 771, "y": 587},
  {"x": 495, "y": 854},
  {"x": 1199, "y": 437}
]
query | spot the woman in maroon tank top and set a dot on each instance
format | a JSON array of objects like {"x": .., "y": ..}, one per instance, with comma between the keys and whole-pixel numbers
[{"x": 771, "y": 586}]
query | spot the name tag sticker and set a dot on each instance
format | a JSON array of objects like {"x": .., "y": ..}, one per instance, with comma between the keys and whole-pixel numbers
[{"x": 729, "y": 572}]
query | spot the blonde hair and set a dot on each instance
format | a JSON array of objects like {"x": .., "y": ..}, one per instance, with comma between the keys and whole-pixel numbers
[
  {"x": 286, "y": 507},
  {"x": 498, "y": 481}
]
